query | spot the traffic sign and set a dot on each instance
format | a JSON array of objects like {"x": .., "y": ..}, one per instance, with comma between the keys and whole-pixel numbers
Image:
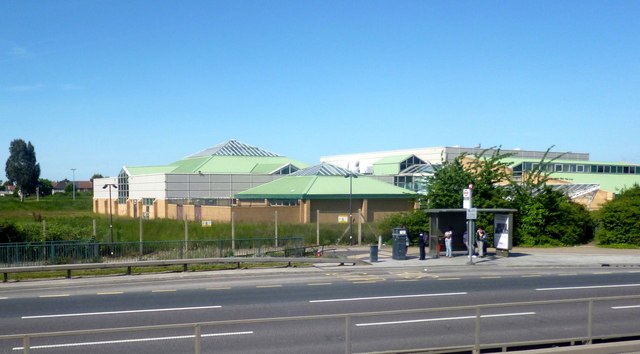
[{"x": 472, "y": 213}]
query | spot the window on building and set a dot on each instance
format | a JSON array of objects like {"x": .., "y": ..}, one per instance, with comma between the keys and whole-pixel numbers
[
  {"x": 413, "y": 160},
  {"x": 579, "y": 168},
  {"x": 123, "y": 187},
  {"x": 558, "y": 167},
  {"x": 517, "y": 170},
  {"x": 283, "y": 202}
]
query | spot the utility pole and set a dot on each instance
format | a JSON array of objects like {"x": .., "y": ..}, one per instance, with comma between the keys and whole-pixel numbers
[{"x": 73, "y": 183}]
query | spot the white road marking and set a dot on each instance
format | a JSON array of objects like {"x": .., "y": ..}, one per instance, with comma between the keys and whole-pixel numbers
[
  {"x": 442, "y": 319},
  {"x": 164, "y": 291},
  {"x": 122, "y": 341},
  {"x": 318, "y": 284},
  {"x": 384, "y": 297},
  {"x": 55, "y": 295},
  {"x": 626, "y": 307},
  {"x": 111, "y": 293},
  {"x": 589, "y": 287},
  {"x": 269, "y": 286},
  {"x": 3, "y": 298},
  {"x": 121, "y": 312}
]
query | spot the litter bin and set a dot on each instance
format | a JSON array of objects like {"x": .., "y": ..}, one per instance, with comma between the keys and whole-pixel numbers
[
  {"x": 373, "y": 253},
  {"x": 399, "y": 243}
]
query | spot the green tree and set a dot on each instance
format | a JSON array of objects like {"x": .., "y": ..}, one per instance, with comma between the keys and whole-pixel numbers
[
  {"x": 619, "y": 221},
  {"x": 490, "y": 177},
  {"x": 22, "y": 167},
  {"x": 45, "y": 186},
  {"x": 96, "y": 175},
  {"x": 547, "y": 216},
  {"x": 444, "y": 187}
]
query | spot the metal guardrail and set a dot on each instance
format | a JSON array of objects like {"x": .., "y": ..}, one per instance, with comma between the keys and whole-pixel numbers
[
  {"x": 66, "y": 252},
  {"x": 586, "y": 340},
  {"x": 172, "y": 262}
]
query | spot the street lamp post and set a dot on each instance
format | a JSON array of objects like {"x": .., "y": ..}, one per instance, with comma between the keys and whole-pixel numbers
[
  {"x": 351, "y": 176},
  {"x": 109, "y": 185},
  {"x": 73, "y": 183}
]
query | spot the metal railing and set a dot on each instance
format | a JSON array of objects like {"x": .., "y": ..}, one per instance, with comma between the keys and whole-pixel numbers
[
  {"x": 585, "y": 341},
  {"x": 71, "y": 252}
]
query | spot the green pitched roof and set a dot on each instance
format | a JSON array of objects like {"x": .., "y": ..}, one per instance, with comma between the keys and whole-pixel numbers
[
  {"x": 231, "y": 157},
  {"x": 325, "y": 187},
  {"x": 390, "y": 165}
]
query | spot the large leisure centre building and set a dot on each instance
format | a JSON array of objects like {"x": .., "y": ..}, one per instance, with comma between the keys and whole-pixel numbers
[{"x": 236, "y": 180}]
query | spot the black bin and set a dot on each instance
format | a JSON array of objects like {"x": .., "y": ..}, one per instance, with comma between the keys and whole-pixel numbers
[{"x": 399, "y": 243}]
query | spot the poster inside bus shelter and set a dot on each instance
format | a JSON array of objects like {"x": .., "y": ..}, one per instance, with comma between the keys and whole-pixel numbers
[{"x": 502, "y": 234}]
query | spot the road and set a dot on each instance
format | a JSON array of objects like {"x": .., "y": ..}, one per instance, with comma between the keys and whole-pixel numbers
[{"x": 64, "y": 305}]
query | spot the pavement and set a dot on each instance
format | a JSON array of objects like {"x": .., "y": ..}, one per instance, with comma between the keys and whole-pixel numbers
[{"x": 578, "y": 256}]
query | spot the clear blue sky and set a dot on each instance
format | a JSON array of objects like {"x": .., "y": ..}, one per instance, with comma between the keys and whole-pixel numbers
[{"x": 96, "y": 85}]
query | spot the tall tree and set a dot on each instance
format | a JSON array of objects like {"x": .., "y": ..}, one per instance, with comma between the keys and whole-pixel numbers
[
  {"x": 444, "y": 187},
  {"x": 22, "y": 167}
]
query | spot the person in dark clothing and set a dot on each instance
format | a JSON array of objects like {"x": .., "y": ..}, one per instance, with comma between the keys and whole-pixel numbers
[{"x": 422, "y": 241}]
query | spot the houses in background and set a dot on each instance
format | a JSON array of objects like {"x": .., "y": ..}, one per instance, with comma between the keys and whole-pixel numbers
[{"x": 81, "y": 186}]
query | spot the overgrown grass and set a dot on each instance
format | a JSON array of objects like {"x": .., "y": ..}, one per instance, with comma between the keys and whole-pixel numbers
[{"x": 66, "y": 219}]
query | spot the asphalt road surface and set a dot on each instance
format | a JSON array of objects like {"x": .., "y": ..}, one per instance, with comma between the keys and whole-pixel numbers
[{"x": 65, "y": 305}]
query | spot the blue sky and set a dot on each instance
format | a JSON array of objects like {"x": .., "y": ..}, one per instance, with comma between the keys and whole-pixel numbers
[{"x": 99, "y": 84}]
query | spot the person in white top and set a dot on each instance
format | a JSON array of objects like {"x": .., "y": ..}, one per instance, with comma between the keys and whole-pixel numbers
[{"x": 448, "y": 236}]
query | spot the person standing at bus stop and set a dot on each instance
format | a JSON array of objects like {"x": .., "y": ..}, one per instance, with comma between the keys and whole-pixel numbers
[
  {"x": 482, "y": 242},
  {"x": 448, "y": 236},
  {"x": 423, "y": 239}
]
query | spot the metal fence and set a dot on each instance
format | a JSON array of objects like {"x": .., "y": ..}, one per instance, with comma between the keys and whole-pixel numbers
[
  {"x": 584, "y": 342},
  {"x": 70, "y": 252}
]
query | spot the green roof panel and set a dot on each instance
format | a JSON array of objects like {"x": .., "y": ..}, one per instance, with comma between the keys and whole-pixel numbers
[{"x": 325, "y": 187}]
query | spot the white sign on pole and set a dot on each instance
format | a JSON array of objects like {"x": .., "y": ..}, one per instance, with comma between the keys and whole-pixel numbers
[
  {"x": 466, "y": 198},
  {"x": 472, "y": 214}
]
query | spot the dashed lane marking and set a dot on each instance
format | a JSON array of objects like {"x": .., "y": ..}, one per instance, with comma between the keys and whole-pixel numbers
[
  {"x": 269, "y": 286},
  {"x": 164, "y": 291},
  {"x": 120, "y": 312},
  {"x": 111, "y": 293},
  {"x": 318, "y": 284},
  {"x": 55, "y": 295}
]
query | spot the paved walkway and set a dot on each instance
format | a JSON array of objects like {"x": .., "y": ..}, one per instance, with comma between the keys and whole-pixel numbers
[{"x": 580, "y": 256}]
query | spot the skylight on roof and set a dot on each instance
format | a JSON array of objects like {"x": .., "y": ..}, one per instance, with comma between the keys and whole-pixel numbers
[{"x": 234, "y": 148}]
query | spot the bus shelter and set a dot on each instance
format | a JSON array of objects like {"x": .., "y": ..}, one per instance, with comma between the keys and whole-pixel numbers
[{"x": 459, "y": 220}]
